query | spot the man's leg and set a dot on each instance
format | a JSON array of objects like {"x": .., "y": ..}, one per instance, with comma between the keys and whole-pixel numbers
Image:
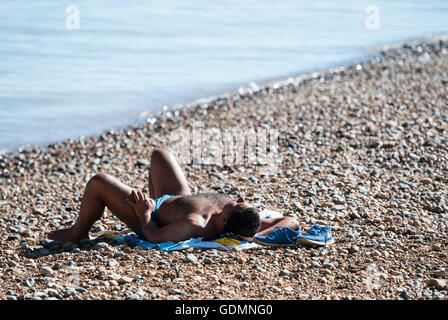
[
  {"x": 101, "y": 191},
  {"x": 166, "y": 176}
]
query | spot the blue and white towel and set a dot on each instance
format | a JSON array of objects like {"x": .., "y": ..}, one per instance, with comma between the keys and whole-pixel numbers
[{"x": 222, "y": 243}]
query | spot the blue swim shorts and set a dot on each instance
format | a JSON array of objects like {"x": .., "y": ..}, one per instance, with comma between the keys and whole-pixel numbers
[{"x": 158, "y": 203}]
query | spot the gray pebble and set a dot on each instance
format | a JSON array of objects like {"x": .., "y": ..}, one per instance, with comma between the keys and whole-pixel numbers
[
  {"x": 284, "y": 273},
  {"x": 113, "y": 263},
  {"x": 68, "y": 245},
  {"x": 99, "y": 229},
  {"x": 353, "y": 249},
  {"x": 47, "y": 243},
  {"x": 310, "y": 192},
  {"x": 191, "y": 258},
  {"x": 207, "y": 261},
  {"x": 68, "y": 292},
  {"x": 175, "y": 291},
  {"x": 119, "y": 254},
  {"x": 439, "y": 284},
  {"x": 101, "y": 245},
  {"x": 29, "y": 282},
  {"x": 81, "y": 289},
  {"x": 46, "y": 271},
  {"x": 40, "y": 294},
  {"x": 142, "y": 163},
  {"x": 326, "y": 263},
  {"x": 140, "y": 292},
  {"x": 218, "y": 186}
]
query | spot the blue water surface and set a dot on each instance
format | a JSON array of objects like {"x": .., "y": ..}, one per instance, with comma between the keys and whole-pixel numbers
[{"x": 129, "y": 57}]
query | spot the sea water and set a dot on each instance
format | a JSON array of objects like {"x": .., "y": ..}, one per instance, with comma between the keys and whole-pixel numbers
[{"x": 80, "y": 67}]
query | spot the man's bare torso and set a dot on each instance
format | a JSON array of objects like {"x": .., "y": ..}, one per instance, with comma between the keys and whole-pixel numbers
[{"x": 178, "y": 207}]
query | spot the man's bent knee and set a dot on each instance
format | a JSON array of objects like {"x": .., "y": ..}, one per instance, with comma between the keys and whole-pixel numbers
[
  {"x": 99, "y": 178},
  {"x": 160, "y": 154}
]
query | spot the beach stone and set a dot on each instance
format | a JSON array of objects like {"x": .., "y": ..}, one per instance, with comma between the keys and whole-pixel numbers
[
  {"x": 437, "y": 209},
  {"x": 40, "y": 294},
  {"x": 218, "y": 186},
  {"x": 142, "y": 163},
  {"x": 86, "y": 243},
  {"x": 53, "y": 293},
  {"x": 353, "y": 249},
  {"x": 284, "y": 273},
  {"x": 327, "y": 264},
  {"x": 68, "y": 245},
  {"x": 218, "y": 175},
  {"x": 114, "y": 276},
  {"x": 102, "y": 245},
  {"x": 124, "y": 279},
  {"x": 99, "y": 229},
  {"x": 119, "y": 254},
  {"x": 69, "y": 292},
  {"x": 46, "y": 271},
  {"x": 113, "y": 283},
  {"x": 438, "y": 274},
  {"x": 310, "y": 192},
  {"x": 140, "y": 292},
  {"x": 337, "y": 199},
  {"x": 29, "y": 282},
  {"x": 175, "y": 291},
  {"x": 191, "y": 258},
  {"x": 113, "y": 263},
  {"x": 81, "y": 289},
  {"x": 440, "y": 284}
]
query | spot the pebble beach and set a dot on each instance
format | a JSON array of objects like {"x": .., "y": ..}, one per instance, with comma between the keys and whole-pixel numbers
[{"x": 364, "y": 150}]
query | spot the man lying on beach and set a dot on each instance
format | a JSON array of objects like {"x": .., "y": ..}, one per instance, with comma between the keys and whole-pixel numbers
[{"x": 170, "y": 212}]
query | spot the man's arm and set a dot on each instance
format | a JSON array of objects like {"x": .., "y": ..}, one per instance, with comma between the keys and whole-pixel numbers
[
  {"x": 177, "y": 231},
  {"x": 267, "y": 225}
]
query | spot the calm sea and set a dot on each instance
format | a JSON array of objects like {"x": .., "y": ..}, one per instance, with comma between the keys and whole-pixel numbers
[{"x": 79, "y": 67}]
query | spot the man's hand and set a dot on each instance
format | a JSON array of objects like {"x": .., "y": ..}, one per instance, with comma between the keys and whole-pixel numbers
[
  {"x": 250, "y": 239},
  {"x": 143, "y": 205}
]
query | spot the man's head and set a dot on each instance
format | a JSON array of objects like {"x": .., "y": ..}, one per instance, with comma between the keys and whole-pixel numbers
[{"x": 241, "y": 218}]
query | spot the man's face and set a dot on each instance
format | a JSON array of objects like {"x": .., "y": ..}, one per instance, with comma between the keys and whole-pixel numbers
[{"x": 238, "y": 204}]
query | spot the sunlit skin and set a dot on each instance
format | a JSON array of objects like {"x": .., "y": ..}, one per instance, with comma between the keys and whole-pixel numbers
[{"x": 180, "y": 217}]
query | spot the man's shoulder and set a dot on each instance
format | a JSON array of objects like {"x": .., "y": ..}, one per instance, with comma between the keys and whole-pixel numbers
[{"x": 199, "y": 217}]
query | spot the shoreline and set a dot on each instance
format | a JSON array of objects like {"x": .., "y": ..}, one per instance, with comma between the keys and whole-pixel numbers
[
  {"x": 370, "y": 54},
  {"x": 364, "y": 151}
]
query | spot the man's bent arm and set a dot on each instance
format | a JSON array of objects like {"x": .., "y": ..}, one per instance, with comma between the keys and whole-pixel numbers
[
  {"x": 267, "y": 225},
  {"x": 177, "y": 231}
]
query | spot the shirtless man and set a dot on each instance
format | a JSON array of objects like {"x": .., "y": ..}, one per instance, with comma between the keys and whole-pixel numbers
[{"x": 169, "y": 212}]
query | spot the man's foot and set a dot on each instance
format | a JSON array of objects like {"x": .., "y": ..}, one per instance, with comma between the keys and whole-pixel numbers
[
  {"x": 64, "y": 235},
  {"x": 316, "y": 236},
  {"x": 279, "y": 237}
]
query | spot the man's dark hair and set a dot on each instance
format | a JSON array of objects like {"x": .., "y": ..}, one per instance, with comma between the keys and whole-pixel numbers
[{"x": 245, "y": 222}]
